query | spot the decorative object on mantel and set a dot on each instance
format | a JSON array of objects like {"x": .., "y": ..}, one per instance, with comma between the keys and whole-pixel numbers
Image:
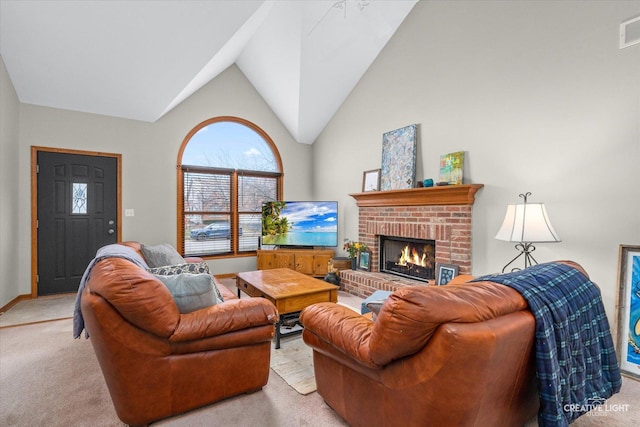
[
  {"x": 526, "y": 223},
  {"x": 451, "y": 168},
  {"x": 427, "y": 183},
  {"x": 628, "y": 305},
  {"x": 371, "y": 180},
  {"x": 399, "y": 148},
  {"x": 445, "y": 272}
]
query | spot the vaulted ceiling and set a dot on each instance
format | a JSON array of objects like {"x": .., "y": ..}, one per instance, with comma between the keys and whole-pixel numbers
[{"x": 140, "y": 59}]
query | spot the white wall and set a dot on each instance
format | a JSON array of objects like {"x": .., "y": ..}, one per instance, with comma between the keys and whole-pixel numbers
[
  {"x": 537, "y": 93},
  {"x": 9, "y": 196},
  {"x": 539, "y": 97},
  {"x": 149, "y": 156}
]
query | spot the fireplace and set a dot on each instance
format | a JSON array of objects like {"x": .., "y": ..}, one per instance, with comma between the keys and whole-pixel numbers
[
  {"x": 407, "y": 257},
  {"x": 440, "y": 215}
]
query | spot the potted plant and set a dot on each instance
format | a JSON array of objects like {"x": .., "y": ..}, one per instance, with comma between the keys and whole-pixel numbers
[{"x": 353, "y": 249}]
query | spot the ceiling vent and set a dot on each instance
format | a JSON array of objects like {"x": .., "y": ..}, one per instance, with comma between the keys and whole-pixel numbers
[{"x": 630, "y": 32}]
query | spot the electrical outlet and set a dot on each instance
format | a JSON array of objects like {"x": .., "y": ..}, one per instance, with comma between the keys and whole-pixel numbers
[{"x": 129, "y": 212}]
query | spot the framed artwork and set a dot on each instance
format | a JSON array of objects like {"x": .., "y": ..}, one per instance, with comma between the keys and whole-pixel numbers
[
  {"x": 399, "y": 149},
  {"x": 371, "y": 180},
  {"x": 445, "y": 272},
  {"x": 628, "y": 308},
  {"x": 451, "y": 168},
  {"x": 364, "y": 260}
]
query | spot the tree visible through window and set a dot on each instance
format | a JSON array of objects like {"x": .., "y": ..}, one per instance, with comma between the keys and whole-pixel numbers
[{"x": 227, "y": 168}]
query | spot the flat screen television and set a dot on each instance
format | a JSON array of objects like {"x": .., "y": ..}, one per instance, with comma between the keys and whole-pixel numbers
[{"x": 300, "y": 224}]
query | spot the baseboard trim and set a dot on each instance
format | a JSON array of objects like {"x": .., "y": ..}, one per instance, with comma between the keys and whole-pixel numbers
[
  {"x": 25, "y": 297},
  {"x": 38, "y": 322},
  {"x": 14, "y": 302}
]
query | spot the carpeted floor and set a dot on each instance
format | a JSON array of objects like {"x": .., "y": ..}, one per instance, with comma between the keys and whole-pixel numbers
[
  {"x": 41, "y": 309},
  {"x": 48, "y": 378}
]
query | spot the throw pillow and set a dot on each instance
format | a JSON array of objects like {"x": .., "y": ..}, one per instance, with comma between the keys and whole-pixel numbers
[
  {"x": 161, "y": 255},
  {"x": 191, "y": 292},
  {"x": 190, "y": 267}
]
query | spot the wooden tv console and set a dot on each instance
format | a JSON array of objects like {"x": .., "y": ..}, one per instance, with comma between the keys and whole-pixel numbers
[{"x": 306, "y": 261}]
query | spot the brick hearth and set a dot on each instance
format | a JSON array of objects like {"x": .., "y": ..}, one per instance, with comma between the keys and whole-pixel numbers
[{"x": 442, "y": 214}]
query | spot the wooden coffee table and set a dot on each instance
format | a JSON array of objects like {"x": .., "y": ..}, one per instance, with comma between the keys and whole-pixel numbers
[{"x": 288, "y": 290}]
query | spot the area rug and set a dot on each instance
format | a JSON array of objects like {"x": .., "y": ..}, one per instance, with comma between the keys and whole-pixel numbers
[{"x": 293, "y": 362}]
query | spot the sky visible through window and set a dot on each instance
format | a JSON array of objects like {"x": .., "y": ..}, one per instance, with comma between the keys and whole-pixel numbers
[{"x": 229, "y": 145}]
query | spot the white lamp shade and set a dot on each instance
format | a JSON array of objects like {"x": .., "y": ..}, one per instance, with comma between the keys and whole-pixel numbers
[{"x": 527, "y": 222}]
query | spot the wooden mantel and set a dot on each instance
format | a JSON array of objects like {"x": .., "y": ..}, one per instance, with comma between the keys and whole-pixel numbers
[{"x": 439, "y": 195}]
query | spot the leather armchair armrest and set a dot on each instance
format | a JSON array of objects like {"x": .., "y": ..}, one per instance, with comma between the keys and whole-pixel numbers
[
  {"x": 340, "y": 328},
  {"x": 225, "y": 292},
  {"x": 229, "y": 316}
]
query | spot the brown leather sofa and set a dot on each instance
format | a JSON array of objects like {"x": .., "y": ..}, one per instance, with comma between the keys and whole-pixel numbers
[
  {"x": 455, "y": 355},
  {"x": 157, "y": 362}
]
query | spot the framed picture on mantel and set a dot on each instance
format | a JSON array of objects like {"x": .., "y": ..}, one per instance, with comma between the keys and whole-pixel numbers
[
  {"x": 399, "y": 148},
  {"x": 371, "y": 180}
]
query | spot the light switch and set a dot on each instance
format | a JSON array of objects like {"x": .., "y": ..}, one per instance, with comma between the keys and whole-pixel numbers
[{"x": 129, "y": 212}]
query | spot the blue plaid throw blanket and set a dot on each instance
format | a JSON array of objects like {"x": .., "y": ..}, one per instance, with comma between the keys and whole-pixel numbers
[{"x": 576, "y": 361}]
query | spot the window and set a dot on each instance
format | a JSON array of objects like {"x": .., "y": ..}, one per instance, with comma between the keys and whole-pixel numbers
[
  {"x": 227, "y": 167},
  {"x": 79, "y": 198}
]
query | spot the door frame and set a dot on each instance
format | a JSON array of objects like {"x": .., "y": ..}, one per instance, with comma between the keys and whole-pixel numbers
[{"x": 34, "y": 201}]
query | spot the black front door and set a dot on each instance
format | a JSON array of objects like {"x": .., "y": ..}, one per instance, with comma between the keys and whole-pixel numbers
[{"x": 77, "y": 214}]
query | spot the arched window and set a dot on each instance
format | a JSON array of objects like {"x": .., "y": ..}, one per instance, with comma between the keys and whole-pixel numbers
[{"x": 227, "y": 167}]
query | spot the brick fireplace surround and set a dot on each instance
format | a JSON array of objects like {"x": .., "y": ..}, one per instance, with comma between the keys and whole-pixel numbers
[{"x": 442, "y": 214}]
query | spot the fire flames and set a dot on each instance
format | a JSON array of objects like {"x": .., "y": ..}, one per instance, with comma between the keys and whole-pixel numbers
[
  {"x": 411, "y": 256},
  {"x": 413, "y": 259}
]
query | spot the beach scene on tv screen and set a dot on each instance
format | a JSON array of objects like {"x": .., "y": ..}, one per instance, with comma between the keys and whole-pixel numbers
[{"x": 300, "y": 223}]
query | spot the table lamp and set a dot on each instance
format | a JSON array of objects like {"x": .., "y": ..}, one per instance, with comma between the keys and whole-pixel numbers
[{"x": 526, "y": 223}]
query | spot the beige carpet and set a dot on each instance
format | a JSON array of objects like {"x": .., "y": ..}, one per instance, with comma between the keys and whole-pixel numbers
[
  {"x": 41, "y": 309},
  {"x": 48, "y": 378},
  {"x": 293, "y": 362}
]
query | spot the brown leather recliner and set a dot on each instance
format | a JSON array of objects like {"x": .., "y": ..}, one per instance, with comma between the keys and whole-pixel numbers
[
  {"x": 455, "y": 355},
  {"x": 157, "y": 362}
]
